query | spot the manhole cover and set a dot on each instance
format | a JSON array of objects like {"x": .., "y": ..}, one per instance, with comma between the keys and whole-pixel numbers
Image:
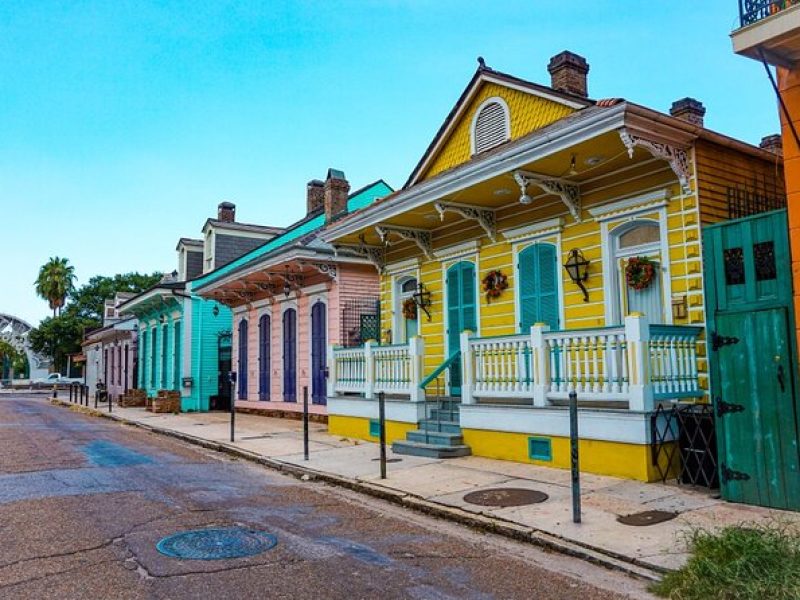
[
  {"x": 388, "y": 460},
  {"x": 216, "y": 544},
  {"x": 504, "y": 497},
  {"x": 648, "y": 517}
]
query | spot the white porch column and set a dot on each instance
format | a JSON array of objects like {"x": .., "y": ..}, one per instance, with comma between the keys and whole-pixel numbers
[
  {"x": 541, "y": 364},
  {"x": 637, "y": 336},
  {"x": 333, "y": 372},
  {"x": 416, "y": 352},
  {"x": 369, "y": 370},
  {"x": 467, "y": 377}
]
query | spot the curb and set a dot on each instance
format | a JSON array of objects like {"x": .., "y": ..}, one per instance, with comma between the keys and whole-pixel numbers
[{"x": 478, "y": 521}]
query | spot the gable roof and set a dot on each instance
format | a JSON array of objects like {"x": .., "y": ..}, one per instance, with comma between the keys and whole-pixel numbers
[
  {"x": 484, "y": 74},
  {"x": 304, "y": 231}
]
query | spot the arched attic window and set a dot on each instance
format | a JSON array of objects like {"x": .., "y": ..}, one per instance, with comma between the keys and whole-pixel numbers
[{"x": 491, "y": 125}]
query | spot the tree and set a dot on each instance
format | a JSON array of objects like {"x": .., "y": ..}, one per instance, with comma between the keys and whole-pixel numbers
[
  {"x": 55, "y": 282},
  {"x": 62, "y": 334},
  {"x": 88, "y": 300}
]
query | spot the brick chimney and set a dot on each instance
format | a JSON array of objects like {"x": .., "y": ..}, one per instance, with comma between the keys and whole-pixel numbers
[
  {"x": 689, "y": 110},
  {"x": 336, "y": 190},
  {"x": 226, "y": 212},
  {"x": 568, "y": 73},
  {"x": 315, "y": 196},
  {"x": 772, "y": 143}
]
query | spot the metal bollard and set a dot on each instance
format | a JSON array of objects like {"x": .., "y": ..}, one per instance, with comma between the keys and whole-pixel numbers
[
  {"x": 71, "y": 388},
  {"x": 55, "y": 391},
  {"x": 382, "y": 431},
  {"x": 305, "y": 422},
  {"x": 110, "y": 402},
  {"x": 574, "y": 457}
]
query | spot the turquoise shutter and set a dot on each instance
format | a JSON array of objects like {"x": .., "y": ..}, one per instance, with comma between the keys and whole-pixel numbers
[
  {"x": 528, "y": 290},
  {"x": 548, "y": 285},
  {"x": 469, "y": 309},
  {"x": 453, "y": 312},
  {"x": 538, "y": 286}
]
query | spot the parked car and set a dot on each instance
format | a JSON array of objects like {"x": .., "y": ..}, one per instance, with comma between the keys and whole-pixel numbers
[{"x": 57, "y": 379}]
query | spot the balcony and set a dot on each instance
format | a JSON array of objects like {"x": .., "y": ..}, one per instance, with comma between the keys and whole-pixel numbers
[
  {"x": 769, "y": 30},
  {"x": 632, "y": 366}
]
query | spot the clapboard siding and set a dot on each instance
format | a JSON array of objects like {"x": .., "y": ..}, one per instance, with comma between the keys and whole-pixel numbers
[{"x": 719, "y": 168}]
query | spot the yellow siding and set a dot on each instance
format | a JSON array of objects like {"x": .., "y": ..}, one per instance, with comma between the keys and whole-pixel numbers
[
  {"x": 499, "y": 317},
  {"x": 527, "y": 113}
]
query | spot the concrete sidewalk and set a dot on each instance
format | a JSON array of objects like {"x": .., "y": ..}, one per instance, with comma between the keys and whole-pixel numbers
[{"x": 440, "y": 485}]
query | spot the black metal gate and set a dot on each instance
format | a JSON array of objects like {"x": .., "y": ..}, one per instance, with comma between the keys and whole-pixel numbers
[{"x": 684, "y": 444}]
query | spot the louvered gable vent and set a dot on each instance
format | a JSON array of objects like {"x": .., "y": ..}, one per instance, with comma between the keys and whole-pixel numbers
[{"x": 491, "y": 127}]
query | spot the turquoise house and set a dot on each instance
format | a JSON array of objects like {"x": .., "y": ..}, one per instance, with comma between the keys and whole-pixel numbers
[{"x": 185, "y": 340}]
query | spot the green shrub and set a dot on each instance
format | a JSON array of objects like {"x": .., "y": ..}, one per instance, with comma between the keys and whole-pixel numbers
[{"x": 738, "y": 563}]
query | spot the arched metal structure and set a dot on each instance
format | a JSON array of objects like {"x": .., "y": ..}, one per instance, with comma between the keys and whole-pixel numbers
[{"x": 15, "y": 332}]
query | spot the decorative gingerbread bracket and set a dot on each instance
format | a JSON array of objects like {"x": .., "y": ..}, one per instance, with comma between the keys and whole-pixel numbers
[
  {"x": 328, "y": 269},
  {"x": 676, "y": 156},
  {"x": 569, "y": 192},
  {"x": 374, "y": 254},
  {"x": 484, "y": 216},
  {"x": 420, "y": 237}
]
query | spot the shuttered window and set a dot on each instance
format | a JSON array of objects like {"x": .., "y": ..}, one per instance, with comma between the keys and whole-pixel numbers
[
  {"x": 538, "y": 286},
  {"x": 491, "y": 127}
]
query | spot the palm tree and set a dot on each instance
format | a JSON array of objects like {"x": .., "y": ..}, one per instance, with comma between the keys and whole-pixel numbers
[{"x": 55, "y": 281}]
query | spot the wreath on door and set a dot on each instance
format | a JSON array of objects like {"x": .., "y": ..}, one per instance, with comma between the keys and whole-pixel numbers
[
  {"x": 639, "y": 272},
  {"x": 493, "y": 284},
  {"x": 410, "y": 309}
]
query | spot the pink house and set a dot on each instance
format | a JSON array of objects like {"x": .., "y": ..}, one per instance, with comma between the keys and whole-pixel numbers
[{"x": 293, "y": 296}]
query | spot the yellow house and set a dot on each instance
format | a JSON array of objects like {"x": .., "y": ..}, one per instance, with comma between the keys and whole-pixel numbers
[{"x": 544, "y": 244}]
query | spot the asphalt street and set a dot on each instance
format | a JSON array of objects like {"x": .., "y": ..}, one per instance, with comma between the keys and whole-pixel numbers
[{"x": 84, "y": 502}]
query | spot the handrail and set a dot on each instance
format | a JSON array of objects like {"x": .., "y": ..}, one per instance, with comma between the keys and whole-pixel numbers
[
  {"x": 676, "y": 329},
  {"x": 440, "y": 369}
]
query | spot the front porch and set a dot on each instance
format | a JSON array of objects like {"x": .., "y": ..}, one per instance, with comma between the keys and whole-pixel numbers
[{"x": 514, "y": 392}]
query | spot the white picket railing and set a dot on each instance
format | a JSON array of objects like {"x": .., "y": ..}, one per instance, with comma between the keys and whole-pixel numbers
[
  {"x": 636, "y": 363},
  {"x": 372, "y": 368}
]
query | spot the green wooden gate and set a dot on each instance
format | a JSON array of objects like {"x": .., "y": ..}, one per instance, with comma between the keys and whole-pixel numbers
[{"x": 752, "y": 359}]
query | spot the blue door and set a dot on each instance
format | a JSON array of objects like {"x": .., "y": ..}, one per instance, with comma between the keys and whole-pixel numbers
[
  {"x": 538, "y": 286},
  {"x": 461, "y": 314},
  {"x": 319, "y": 341},
  {"x": 290, "y": 355},
  {"x": 264, "y": 366},
  {"x": 243, "y": 359}
]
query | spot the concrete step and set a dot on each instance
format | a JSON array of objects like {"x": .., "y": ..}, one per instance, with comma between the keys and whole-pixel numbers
[
  {"x": 435, "y": 437},
  {"x": 441, "y": 414},
  {"x": 443, "y": 426},
  {"x": 430, "y": 450}
]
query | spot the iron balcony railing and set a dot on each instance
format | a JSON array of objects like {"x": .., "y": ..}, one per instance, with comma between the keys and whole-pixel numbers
[{"x": 753, "y": 11}]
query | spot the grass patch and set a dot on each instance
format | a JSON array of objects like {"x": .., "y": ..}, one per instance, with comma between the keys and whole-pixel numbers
[{"x": 738, "y": 563}]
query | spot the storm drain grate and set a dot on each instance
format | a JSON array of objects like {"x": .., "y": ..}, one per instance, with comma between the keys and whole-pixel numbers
[
  {"x": 648, "y": 517},
  {"x": 505, "y": 497},
  {"x": 216, "y": 544}
]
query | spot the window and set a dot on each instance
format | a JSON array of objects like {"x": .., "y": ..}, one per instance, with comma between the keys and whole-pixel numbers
[
  {"x": 405, "y": 328},
  {"x": 490, "y": 126}
]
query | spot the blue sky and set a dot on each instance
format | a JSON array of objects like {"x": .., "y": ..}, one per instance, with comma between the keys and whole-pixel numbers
[{"x": 123, "y": 124}]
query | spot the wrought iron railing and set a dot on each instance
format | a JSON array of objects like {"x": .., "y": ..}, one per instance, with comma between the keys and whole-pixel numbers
[{"x": 753, "y": 11}]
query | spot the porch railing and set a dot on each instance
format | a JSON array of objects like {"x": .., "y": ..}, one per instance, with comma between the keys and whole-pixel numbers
[
  {"x": 753, "y": 11},
  {"x": 372, "y": 368},
  {"x": 636, "y": 363}
]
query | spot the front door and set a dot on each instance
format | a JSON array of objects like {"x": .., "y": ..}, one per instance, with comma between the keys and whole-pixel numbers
[
  {"x": 461, "y": 314},
  {"x": 224, "y": 365},
  {"x": 319, "y": 341},
  {"x": 752, "y": 359},
  {"x": 243, "y": 359},
  {"x": 264, "y": 365},
  {"x": 290, "y": 355}
]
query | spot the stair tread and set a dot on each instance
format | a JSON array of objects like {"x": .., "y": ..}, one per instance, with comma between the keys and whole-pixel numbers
[{"x": 430, "y": 450}]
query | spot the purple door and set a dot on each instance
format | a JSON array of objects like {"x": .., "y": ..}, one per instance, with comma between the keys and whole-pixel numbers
[
  {"x": 290, "y": 356},
  {"x": 264, "y": 357},
  {"x": 319, "y": 340},
  {"x": 243, "y": 359}
]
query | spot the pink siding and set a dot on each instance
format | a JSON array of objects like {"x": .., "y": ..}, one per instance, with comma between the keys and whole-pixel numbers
[{"x": 354, "y": 281}]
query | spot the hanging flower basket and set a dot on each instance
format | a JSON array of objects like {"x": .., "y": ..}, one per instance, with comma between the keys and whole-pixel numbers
[
  {"x": 409, "y": 309},
  {"x": 639, "y": 272},
  {"x": 493, "y": 284}
]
